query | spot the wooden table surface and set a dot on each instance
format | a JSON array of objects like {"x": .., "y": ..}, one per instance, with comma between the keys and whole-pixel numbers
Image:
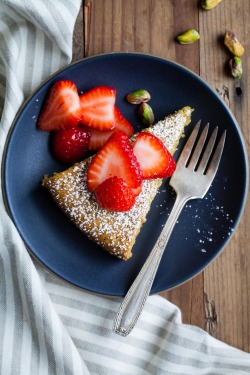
[{"x": 218, "y": 299}]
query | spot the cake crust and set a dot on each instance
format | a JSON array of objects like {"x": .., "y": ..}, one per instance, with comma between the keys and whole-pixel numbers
[{"x": 116, "y": 232}]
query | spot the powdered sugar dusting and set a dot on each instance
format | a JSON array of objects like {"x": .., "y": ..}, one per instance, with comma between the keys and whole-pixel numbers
[
  {"x": 203, "y": 221},
  {"x": 170, "y": 129},
  {"x": 114, "y": 231}
]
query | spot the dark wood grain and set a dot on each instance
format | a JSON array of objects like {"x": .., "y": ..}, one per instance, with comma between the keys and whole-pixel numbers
[{"x": 217, "y": 299}]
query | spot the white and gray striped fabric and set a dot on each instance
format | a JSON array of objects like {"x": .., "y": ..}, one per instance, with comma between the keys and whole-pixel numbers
[{"x": 46, "y": 325}]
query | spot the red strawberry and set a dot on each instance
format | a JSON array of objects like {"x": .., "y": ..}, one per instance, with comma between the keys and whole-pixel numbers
[
  {"x": 98, "y": 138},
  {"x": 98, "y": 108},
  {"x": 114, "y": 194},
  {"x": 122, "y": 124},
  {"x": 70, "y": 145},
  {"x": 136, "y": 191},
  {"x": 115, "y": 158},
  {"x": 62, "y": 108},
  {"x": 154, "y": 159}
]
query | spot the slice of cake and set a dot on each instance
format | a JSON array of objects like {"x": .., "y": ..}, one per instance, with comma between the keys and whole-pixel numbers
[{"x": 116, "y": 232}]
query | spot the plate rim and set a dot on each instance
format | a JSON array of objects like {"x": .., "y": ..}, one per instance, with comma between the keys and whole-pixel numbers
[{"x": 130, "y": 54}]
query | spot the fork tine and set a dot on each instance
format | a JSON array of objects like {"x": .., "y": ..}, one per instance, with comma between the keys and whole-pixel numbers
[
  {"x": 184, "y": 156},
  {"x": 208, "y": 151},
  {"x": 198, "y": 149},
  {"x": 214, "y": 164}
]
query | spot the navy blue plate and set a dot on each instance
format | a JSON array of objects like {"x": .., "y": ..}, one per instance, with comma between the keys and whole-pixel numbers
[{"x": 204, "y": 227}]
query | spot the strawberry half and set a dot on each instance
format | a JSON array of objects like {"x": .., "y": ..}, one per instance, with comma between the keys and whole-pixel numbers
[
  {"x": 98, "y": 138},
  {"x": 115, "y": 158},
  {"x": 114, "y": 194},
  {"x": 154, "y": 158},
  {"x": 97, "y": 107},
  {"x": 61, "y": 109},
  {"x": 70, "y": 145}
]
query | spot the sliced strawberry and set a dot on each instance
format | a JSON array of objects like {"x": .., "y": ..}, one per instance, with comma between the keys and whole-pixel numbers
[
  {"x": 136, "y": 191},
  {"x": 123, "y": 124},
  {"x": 98, "y": 138},
  {"x": 154, "y": 158},
  {"x": 114, "y": 194},
  {"x": 61, "y": 109},
  {"x": 70, "y": 145},
  {"x": 98, "y": 108},
  {"x": 115, "y": 158}
]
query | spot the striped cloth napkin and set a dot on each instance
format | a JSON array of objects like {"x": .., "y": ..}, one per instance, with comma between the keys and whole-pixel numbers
[{"x": 46, "y": 325}]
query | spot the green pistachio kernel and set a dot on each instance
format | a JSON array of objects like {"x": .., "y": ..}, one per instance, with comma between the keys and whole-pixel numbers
[
  {"x": 188, "y": 37},
  {"x": 138, "y": 96},
  {"x": 209, "y": 4},
  {"x": 145, "y": 114},
  {"x": 236, "y": 67}
]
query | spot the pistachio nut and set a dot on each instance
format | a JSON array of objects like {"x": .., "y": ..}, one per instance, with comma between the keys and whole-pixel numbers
[
  {"x": 209, "y": 4},
  {"x": 232, "y": 43},
  {"x": 145, "y": 114},
  {"x": 138, "y": 96},
  {"x": 236, "y": 67},
  {"x": 188, "y": 37}
]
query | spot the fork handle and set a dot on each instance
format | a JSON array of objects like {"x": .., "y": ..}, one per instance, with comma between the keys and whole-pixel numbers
[{"x": 132, "y": 305}]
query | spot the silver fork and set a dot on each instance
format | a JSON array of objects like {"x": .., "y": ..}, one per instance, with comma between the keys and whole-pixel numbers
[{"x": 195, "y": 171}]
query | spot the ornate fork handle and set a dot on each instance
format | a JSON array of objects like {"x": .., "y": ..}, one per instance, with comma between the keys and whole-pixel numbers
[{"x": 135, "y": 298}]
